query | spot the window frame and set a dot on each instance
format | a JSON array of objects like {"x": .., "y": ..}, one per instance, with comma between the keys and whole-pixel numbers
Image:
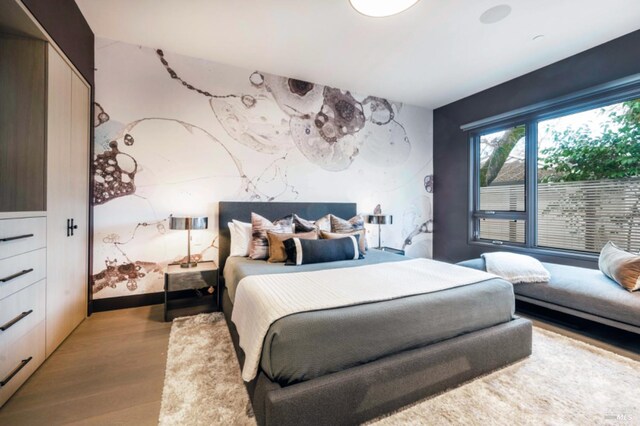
[
  {"x": 477, "y": 213},
  {"x": 596, "y": 97}
]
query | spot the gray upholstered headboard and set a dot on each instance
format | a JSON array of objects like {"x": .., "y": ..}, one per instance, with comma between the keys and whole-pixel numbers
[{"x": 240, "y": 210}]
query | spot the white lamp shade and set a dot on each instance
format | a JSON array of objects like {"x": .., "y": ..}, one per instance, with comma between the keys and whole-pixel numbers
[{"x": 381, "y": 8}]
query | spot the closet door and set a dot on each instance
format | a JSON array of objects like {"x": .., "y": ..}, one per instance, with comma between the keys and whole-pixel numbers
[
  {"x": 67, "y": 199},
  {"x": 58, "y": 172},
  {"x": 79, "y": 201}
]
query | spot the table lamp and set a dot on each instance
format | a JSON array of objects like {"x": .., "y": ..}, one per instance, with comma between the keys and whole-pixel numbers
[
  {"x": 380, "y": 219},
  {"x": 188, "y": 223}
]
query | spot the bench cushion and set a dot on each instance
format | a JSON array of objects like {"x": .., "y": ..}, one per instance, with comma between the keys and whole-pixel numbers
[{"x": 582, "y": 289}]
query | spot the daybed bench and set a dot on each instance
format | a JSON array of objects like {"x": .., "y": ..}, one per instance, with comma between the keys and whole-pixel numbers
[{"x": 586, "y": 293}]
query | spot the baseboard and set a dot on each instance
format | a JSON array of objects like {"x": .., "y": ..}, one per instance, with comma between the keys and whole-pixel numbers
[
  {"x": 137, "y": 300},
  {"x": 123, "y": 302}
]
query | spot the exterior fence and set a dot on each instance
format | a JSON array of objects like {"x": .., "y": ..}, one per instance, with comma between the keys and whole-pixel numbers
[{"x": 580, "y": 216}]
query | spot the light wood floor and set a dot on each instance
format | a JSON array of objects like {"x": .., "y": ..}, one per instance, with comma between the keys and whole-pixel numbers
[{"x": 110, "y": 371}]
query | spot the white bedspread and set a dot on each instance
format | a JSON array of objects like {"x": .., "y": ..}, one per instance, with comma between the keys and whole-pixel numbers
[{"x": 263, "y": 299}]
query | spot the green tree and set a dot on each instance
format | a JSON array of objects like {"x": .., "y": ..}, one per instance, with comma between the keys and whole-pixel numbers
[
  {"x": 578, "y": 155},
  {"x": 502, "y": 147}
]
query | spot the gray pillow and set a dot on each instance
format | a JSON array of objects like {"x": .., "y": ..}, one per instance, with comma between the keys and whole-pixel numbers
[{"x": 621, "y": 266}]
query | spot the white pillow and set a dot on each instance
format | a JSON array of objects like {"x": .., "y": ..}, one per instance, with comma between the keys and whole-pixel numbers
[
  {"x": 516, "y": 268},
  {"x": 240, "y": 238}
]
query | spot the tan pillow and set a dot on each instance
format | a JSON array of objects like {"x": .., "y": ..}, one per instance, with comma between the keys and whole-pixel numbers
[
  {"x": 333, "y": 235},
  {"x": 276, "y": 244},
  {"x": 621, "y": 266}
]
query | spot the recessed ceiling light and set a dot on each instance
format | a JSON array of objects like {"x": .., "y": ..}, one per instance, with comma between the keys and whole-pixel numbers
[
  {"x": 495, "y": 14},
  {"x": 381, "y": 8}
]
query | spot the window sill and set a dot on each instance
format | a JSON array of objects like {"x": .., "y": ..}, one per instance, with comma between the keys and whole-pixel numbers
[{"x": 585, "y": 257}]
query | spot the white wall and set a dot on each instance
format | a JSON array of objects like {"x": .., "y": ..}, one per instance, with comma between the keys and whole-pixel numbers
[{"x": 238, "y": 141}]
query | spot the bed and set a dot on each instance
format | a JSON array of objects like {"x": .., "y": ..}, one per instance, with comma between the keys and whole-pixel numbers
[{"x": 353, "y": 363}]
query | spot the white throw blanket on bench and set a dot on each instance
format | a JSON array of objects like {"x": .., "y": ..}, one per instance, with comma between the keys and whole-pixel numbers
[{"x": 261, "y": 300}]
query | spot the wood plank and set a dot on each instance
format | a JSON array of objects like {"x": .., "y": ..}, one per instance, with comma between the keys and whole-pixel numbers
[
  {"x": 22, "y": 124},
  {"x": 109, "y": 371}
]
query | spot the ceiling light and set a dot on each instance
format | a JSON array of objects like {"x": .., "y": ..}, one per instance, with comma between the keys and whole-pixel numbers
[
  {"x": 495, "y": 14},
  {"x": 381, "y": 8}
]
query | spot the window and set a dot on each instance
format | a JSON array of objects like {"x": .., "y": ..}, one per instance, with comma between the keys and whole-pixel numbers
[
  {"x": 567, "y": 181},
  {"x": 502, "y": 170}
]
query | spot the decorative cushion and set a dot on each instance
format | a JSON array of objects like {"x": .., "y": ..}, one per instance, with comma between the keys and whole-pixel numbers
[
  {"x": 302, "y": 252},
  {"x": 276, "y": 244},
  {"x": 259, "y": 227},
  {"x": 305, "y": 225},
  {"x": 240, "y": 238},
  {"x": 334, "y": 235},
  {"x": 516, "y": 268},
  {"x": 342, "y": 226},
  {"x": 621, "y": 266}
]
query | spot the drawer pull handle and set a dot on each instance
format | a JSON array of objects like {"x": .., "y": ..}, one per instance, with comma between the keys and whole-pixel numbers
[
  {"x": 16, "y": 275},
  {"x": 15, "y": 371},
  {"x": 15, "y": 320},
  {"x": 19, "y": 237}
]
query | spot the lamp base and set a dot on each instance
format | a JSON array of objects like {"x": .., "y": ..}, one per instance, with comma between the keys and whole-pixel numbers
[{"x": 189, "y": 264}]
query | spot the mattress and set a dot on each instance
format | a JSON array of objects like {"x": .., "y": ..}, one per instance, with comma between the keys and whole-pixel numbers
[{"x": 307, "y": 345}]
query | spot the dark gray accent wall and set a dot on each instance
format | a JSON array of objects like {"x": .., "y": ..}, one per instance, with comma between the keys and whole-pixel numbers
[{"x": 607, "y": 62}]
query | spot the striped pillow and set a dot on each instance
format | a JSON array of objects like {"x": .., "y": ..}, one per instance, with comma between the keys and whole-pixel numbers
[
  {"x": 356, "y": 223},
  {"x": 302, "y": 252},
  {"x": 342, "y": 226},
  {"x": 334, "y": 236},
  {"x": 621, "y": 266},
  {"x": 305, "y": 225},
  {"x": 259, "y": 249}
]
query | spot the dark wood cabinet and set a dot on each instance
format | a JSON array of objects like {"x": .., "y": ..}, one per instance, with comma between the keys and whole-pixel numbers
[{"x": 22, "y": 124}]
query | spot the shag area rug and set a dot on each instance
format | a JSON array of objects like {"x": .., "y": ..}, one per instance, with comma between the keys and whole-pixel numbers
[{"x": 564, "y": 382}]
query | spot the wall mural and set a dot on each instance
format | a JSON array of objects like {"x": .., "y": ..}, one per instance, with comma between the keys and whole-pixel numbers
[{"x": 175, "y": 135}]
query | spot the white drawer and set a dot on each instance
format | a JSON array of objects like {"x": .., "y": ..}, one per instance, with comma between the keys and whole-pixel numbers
[
  {"x": 20, "y": 271},
  {"x": 21, "y": 311},
  {"x": 19, "y": 236},
  {"x": 28, "y": 353}
]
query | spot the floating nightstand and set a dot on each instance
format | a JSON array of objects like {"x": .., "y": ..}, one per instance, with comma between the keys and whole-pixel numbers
[{"x": 190, "y": 291}]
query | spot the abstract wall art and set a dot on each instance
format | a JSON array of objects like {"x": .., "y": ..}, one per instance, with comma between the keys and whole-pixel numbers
[{"x": 176, "y": 135}]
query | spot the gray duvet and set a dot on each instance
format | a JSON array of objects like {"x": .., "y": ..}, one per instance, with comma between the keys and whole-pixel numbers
[{"x": 307, "y": 345}]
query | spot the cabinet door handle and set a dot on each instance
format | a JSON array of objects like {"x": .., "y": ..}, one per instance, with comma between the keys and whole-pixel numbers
[
  {"x": 19, "y": 237},
  {"x": 16, "y": 275},
  {"x": 15, "y": 371},
  {"x": 15, "y": 320},
  {"x": 70, "y": 227}
]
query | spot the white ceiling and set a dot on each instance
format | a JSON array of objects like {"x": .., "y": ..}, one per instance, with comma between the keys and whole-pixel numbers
[{"x": 430, "y": 55}]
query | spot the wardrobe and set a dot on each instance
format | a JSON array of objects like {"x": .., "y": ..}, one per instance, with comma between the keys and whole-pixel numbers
[{"x": 44, "y": 202}]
